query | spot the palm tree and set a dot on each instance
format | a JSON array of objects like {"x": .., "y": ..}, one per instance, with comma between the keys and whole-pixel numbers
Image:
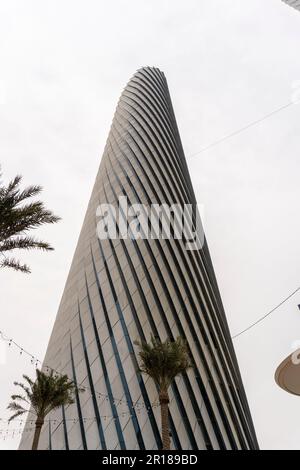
[
  {"x": 16, "y": 219},
  {"x": 47, "y": 393},
  {"x": 163, "y": 361}
]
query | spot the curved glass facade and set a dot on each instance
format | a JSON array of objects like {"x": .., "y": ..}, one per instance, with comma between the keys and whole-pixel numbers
[{"x": 120, "y": 290}]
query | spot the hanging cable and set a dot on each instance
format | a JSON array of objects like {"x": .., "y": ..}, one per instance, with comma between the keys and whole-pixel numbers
[
  {"x": 242, "y": 129},
  {"x": 266, "y": 315}
]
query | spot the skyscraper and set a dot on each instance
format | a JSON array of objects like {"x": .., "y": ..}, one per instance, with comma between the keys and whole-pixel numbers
[
  {"x": 293, "y": 3},
  {"x": 123, "y": 289}
]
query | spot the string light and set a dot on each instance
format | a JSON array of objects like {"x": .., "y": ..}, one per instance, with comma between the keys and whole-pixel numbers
[
  {"x": 12, "y": 433},
  {"x": 84, "y": 419},
  {"x": 37, "y": 362},
  {"x": 31, "y": 423}
]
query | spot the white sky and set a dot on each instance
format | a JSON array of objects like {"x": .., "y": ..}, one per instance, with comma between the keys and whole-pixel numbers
[{"x": 63, "y": 65}]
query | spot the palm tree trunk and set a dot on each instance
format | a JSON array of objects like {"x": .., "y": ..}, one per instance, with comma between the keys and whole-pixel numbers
[
  {"x": 38, "y": 427},
  {"x": 164, "y": 409}
]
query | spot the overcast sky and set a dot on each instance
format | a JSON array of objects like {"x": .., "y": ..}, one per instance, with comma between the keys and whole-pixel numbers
[{"x": 63, "y": 65}]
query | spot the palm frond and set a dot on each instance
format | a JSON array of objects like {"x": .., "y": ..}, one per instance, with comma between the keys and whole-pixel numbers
[
  {"x": 163, "y": 361},
  {"x": 45, "y": 394},
  {"x": 20, "y": 397},
  {"x": 14, "y": 406},
  {"x": 13, "y": 185},
  {"x": 17, "y": 219},
  {"x": 17, "y": 410},
  {"x": 27, "y": 193},
  {"x": 28, "y": 380},
  {"x": 14, "y": 416},
  {"x": 23, "y": 243},
  {"x": 14, "y": 264}
]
